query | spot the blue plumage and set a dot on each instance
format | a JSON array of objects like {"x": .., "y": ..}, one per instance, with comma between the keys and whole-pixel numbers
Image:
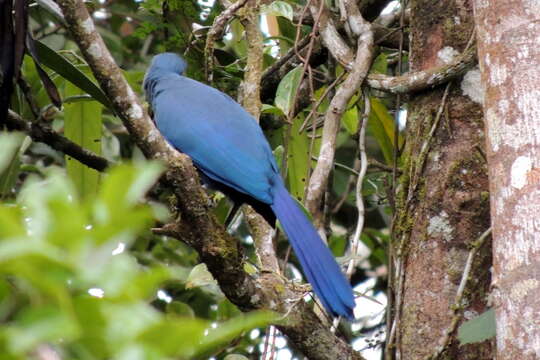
[{"x": 229, "y": 148}]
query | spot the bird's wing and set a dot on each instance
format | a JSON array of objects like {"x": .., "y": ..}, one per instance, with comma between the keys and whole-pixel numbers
[{"x": 223, "y": 140}]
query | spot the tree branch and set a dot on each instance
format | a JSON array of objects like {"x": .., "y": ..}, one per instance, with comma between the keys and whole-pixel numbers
[
  {"x": 262, "y": 232},
  {"x": 44, "y": 134},
  {"x": 330, "y": 36},
  {"x": 198, "y": 226},
  {"x": 421, "y": 80},
  {"x": 360, "y": 67},
  {"x": 254, "y": 63}
]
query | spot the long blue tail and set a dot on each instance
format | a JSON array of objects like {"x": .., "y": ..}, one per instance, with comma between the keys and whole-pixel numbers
[{"x": 318, "y": 263}]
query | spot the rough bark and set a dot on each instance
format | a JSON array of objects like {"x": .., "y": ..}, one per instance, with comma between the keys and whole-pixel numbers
[
  {"x": 509, "y": 53},
  {"x": 442, "y": 200}
]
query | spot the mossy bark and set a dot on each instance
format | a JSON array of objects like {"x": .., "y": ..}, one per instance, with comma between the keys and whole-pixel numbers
[{"x": 442, "y": 202}]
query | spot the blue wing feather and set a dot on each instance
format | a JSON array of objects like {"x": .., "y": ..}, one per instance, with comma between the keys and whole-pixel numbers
[{"x": 184, "y": 115}]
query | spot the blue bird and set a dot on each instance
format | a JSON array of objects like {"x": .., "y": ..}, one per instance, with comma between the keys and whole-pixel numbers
[{"x": 229, "y": 148}]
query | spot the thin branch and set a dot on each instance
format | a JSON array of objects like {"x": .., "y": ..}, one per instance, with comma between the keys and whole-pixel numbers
[
  {"x": 338, "y": 105},
  {"x": 263, "y": 236},
  {"x": 262, "y": 232},
  {"x": 390, "y": 18},
  {"x": 359, "y": 181},
  {"x": 27, "y": 92},
  {"x": 407, "y": 83},
  {"x": 44, "y": 134},
  {"x": 348, "y": 188},
  {"x": 422, "y": 157},
  {"x": 445, "y": 341},
  {"x": 354, "y": 18},
  {"x": 326, "y": 92},
  {"x": 383, "y": 167}
]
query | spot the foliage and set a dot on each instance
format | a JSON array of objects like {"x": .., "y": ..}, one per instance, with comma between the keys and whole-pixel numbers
[
  {"x": 66, "y": 283},
  {"x": 478, "y": 329}
]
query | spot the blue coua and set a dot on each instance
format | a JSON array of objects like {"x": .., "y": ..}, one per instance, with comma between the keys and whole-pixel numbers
[{"x": 229, "y": 148}]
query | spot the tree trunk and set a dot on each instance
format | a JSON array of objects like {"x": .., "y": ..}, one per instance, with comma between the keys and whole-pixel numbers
[
  {"x": 509, "y": 52},
  {"x": 442, "y": 200}
]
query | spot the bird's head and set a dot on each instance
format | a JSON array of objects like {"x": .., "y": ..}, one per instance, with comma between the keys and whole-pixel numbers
[
  {"x": 162, "y": 65},
  {"x": 168, "y": 62}
]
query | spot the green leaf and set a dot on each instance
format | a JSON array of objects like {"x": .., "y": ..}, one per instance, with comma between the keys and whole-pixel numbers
[
  {"x": 52, "y": 8},
  {"x": 298, "y": 161},
  {"x": 41, "y": 325},
  {"x": 127, "y": 184},
  {"x": 478, "y": 329},
  {"x": 235, "y": 357},
  {"x": 54, "y": 248},
  {"x": 12, "y": 146},
  {"x": 89, "y": 313},
  {"x": 380, "y": 64},
  {"x": 9, "y": 144},
  {"x": 147, "y": 175},
  {"x": 228, "y": 330},
  {"x": 279, "y": 8},
  {"x": 222, "y": 208},
  {"x": 82, "y": 125},
  {"x": 11, "y": 224},
  {"x": 271, "y": 109},
  {"x": 66, "y": 69},
  {"x": 200, "y": 276},
  {"x": 180, "y": 308},
  {"x": 176, "y": 337},
  {"x": 350, "y": 120},
  {"x": 278, "y": 154},
  {"x": 237, "y": 42},
  {"x": 381, "y": 125},
  {"x": 287, "y": 88}
]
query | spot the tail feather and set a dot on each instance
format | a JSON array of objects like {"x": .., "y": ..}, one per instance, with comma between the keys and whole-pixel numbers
[{"x": 317, "y": 261}]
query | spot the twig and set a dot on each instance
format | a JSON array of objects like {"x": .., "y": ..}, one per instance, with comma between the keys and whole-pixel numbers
[
  {"x": 27, "y": 91},
  {"x": 383, "y": 167},
  {"x": 445, "y": 341},
  {"x": 359, "y": 181},
  {"x": 320, "y": 100},
  {"x": 350, "y": 185},
  {"x": 400, "y": 275},
  {"x": 426, "y": 144}
]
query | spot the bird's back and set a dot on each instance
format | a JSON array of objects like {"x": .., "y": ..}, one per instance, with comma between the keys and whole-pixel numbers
[{"x": 223, "y": 140}]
